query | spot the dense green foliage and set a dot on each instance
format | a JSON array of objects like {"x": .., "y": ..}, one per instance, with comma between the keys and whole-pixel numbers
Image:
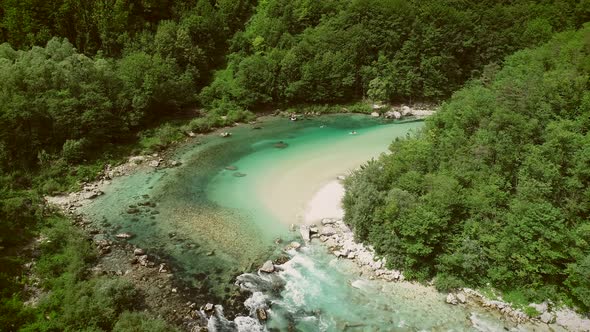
[
  {"x": 496, "y": 188},
  {"x": 338, "y": 51},
  {"x": 81, "y": 81},
  {"x": 56, "y": 100}
]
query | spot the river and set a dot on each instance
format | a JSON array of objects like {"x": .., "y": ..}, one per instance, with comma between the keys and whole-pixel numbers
[{"x": 229, "y": 207}]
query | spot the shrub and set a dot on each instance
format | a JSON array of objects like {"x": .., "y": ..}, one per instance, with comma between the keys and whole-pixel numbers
[
  {"x": 140, "y": 322},
  {"x": 73, "y": 150}
]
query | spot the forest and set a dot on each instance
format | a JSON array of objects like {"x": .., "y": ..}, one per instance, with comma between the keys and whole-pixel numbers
[
  {"x": 497, "y": 180},
  {"x": 496, "y": 188}
]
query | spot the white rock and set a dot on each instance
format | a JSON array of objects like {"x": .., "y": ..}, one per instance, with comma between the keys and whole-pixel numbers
[
  {"x": 143, "y": 260},
  {"x": 328, "y": 221},
  {"x": 268, "y": 267},
  {"x": 540, "y": 307},
  {"x": 138, "y": 252},
  {"x": 305, "y": 233},
  {"x": 572, "y": 321},
  {"x": 375, "y": 114},
  {"x": 461, "y": 297},
  {"x": 293, "y": 245},
  {"x": 124, "y": 235},
  {"x": 163, "y": 268},
  {"x": 154, "y": 163},
  {"x": 451, "y": 299},
  {"x": 547, "y": 318},
  {"x": 328, "y": 231},
  {"x": 406, "y": 110}
]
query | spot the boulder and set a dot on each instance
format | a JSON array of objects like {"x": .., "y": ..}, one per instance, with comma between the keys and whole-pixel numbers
[
  {"x": 405, "y": 110},
  {"x": 92, "y": 194},
  {"x": 328, "y": 221},
  {"x": 547, "y": 318},
  {"x": 154, "y": 163},
  {"x": 388, "y": 115},
  {"x": 143, "y": 260},
  {"x": 138, "y": 252},
  {"x": 313, "y": 229},
  {"x": 540, "y": 307},
  {"x": 163, "y": 268},
  {"x": 137, "y": 159},
  {"x": 267, "y": 267},
  {"x": 328, "y": 231},
  {"x": 191, "y": 134},
  {"x": 225, "y": 134},
  {"x": 174, "y": 163},
  {"x": 209, "y": 307},
  {"x": 305, "y": 233},
  {"x": 461, "y": 297},
  {"x": 375, "y": 114},
  {"x": 293, "y": 245},
  {"x": 124, "y": 235},
  {"x": 341, "y": 177},
  {"x": 261, "y": 314},
  {"x": 452, "y": 299}
]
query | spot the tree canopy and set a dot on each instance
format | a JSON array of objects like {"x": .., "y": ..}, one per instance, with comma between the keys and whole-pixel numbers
[{"x": 496, "y": 187}]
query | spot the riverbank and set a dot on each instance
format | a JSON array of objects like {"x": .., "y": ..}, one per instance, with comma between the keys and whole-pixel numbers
[
  {"x": 148, "y": 202},
  {"x": 334, "y": 234}
]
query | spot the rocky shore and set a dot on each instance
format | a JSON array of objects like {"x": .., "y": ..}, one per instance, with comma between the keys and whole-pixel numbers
[{"x": 339, "y": 239}]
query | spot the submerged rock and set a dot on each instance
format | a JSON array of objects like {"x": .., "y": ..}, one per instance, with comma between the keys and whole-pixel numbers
[
  {"x": 239, "y": 175},
  {"x": 280, "y": 145},
  {"x": 124, "y": 235},
  {"x": 231, "y": 168}
]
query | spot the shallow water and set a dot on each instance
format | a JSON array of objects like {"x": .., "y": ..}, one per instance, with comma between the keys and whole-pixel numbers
[{"x": 213, "y": 224}]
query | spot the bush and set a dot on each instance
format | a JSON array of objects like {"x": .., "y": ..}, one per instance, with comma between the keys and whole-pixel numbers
[
  {"x": 73, "y": 150},
  {"x": 445, "y": 282},
  {"x": 140, "y": 322},
  {"x": 159, "y": 138}
]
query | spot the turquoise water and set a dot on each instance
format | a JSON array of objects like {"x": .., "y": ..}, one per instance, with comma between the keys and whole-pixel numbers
[
  {"x": 212, "y": 225},
  {"x": 215, "y": 225}
]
